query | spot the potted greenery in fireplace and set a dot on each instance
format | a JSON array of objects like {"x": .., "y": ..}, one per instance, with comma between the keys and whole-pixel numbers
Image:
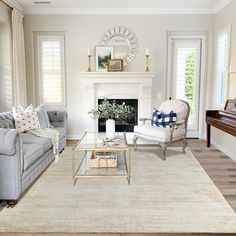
[{"x": 111, "y": 111}]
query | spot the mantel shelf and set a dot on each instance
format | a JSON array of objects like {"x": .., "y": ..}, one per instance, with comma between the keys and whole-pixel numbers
[{"x": 104, "y": 75}]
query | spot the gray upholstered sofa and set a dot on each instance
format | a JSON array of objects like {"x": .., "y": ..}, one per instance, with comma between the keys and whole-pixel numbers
[{"x": 23, "y": 156}]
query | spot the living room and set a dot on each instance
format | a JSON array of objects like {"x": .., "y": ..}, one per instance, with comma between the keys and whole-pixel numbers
[{"x": 67, "y": 63}]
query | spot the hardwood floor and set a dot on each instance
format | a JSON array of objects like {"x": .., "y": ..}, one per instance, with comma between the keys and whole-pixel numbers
[
  {"x": 220, "y": 168},
  {"x": 131, "y": 234}
]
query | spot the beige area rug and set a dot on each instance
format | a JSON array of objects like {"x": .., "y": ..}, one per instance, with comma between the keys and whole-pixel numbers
[{"x": 175, "y": 195}]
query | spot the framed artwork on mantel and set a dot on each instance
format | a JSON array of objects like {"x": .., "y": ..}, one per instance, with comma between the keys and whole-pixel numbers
[
  {"x": 115, "y": 65},
  {"x": 103, "y": 54}
]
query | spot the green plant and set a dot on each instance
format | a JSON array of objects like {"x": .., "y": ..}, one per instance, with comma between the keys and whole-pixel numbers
[
  {"x": 190, "y": 75},
  {"x": 111, "y": 110}
]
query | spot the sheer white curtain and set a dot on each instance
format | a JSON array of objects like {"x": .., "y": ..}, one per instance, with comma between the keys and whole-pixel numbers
[
  {"x": 19, "y": 74},
  {"x": 6, "y": 90}
]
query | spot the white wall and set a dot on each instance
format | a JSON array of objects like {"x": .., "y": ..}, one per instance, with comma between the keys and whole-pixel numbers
[
  {"x": 226, "y": 142},
  {"x": 222, "y": 19},
  {"x": 6, "y": 97},
  {"x": 85, "y": 31}
]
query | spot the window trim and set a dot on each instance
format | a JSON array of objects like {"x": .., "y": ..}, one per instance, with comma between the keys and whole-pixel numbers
[
  {"x": 38, "y": 59},
  {"x": 220, "y": 32}
]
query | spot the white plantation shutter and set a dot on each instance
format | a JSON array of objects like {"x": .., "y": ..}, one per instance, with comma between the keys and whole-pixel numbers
[
  {"x": 223, "y": 43},
  {"x": 181, "y": 70},
  {"x": 51, "y": 72},
  {"x": 182, "y": 87}
]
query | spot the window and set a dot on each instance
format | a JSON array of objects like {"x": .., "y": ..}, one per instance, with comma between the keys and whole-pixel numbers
[
  {"x": 222, "y": 62},
  {"x": 51, "y": 71}
]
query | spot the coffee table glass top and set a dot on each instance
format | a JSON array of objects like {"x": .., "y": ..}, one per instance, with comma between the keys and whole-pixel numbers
[{"x": 94, "y": 141}]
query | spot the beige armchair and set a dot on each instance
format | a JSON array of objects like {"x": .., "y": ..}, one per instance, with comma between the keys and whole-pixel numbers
[{"x": 165, "y": 136}]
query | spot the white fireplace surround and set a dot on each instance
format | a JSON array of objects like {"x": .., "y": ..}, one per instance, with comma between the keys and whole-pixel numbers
[{"x": 116, "y": 85}]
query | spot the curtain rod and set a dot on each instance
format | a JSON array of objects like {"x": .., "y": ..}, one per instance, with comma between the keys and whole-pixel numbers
[{"x": 6, "y": 4}]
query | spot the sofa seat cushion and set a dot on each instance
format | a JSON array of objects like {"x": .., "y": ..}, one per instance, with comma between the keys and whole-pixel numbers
[
  {"x": 33, "y": 139},
  {"x": 62, "y": 131},
  {"x": 158, "y": 133},
  {"x": 31, "y": 153}
]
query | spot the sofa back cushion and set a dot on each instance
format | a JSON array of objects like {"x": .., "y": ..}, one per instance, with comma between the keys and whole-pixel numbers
[
  {"x": 43, "y": 117},
  {"x": 6, "y": 120}
]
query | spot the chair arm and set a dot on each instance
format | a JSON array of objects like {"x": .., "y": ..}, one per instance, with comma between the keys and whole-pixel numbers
[
  {"x": 180, "y": 122},
  {"x": 175, "y": 125},
  {"x": 145, "y": 119}
]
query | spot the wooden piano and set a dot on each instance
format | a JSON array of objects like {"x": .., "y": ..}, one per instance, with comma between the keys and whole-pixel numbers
[{"x": 224, "y": 120}]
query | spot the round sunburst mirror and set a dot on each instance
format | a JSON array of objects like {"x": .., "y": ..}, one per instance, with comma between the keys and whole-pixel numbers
[{"x": 124, "y": 42}]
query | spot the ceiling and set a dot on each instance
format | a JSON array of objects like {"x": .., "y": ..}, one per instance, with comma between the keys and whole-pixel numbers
[{"x": 123, "y": 6}]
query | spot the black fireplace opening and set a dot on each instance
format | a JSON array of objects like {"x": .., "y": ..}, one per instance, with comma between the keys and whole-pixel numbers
[{"x": 122, "y": 125}]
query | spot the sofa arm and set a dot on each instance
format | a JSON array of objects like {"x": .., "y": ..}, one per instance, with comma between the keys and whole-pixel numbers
[
  {"x": 7, "y": 141},
  {"x": 11, "y": 173},
  {"x": 57, "y": 118}
]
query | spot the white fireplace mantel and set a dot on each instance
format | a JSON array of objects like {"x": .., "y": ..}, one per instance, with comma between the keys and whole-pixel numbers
[
  {"x": 117, "y": 85},
  {"x": 119, "y": 75}
]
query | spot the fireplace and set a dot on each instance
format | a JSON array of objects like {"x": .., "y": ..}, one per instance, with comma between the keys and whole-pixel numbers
[
  {"x": 113, "y": 85},
  {"x": 122, "y": 125}
]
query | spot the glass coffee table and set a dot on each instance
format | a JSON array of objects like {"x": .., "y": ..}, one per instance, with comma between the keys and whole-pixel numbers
[{"x": 93, "y": 144}]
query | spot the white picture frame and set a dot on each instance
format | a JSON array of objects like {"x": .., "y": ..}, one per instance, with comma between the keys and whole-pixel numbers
[{"x": 102, "y": 55}]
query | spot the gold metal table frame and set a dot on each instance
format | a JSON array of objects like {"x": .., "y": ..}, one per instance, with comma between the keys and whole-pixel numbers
[{"x": 92, "y": 141}]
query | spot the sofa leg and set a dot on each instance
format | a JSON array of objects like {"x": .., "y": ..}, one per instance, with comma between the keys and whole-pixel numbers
[
  {"x": 163, "y": 148},
  {"x": 135, "y": 138},
  {"x": 185, "y": 144},
  {"x": 11, "y": 203}
]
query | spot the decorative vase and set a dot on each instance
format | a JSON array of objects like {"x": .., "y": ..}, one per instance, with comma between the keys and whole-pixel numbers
[{"x": 110, "y": 129}]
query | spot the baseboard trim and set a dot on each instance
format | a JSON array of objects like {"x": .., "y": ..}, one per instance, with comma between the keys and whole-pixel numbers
[
  {"x": 223, "y": 149},
  {"x": 74, "y": 137}
]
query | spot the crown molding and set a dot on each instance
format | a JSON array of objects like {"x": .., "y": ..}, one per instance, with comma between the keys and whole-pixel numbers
[
  {"x": 220, "y": 5},
  {"x": 14, "y": 4},
  {"x": 121, "y": 11}
]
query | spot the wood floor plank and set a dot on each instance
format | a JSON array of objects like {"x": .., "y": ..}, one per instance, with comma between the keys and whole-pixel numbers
[
  {"x": 220, "y": 168},
  {"x": 124, "y": 234}
]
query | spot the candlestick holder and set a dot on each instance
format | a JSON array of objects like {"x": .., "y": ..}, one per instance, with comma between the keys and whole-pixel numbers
[
  {"x": 147, "y": 63},
  {"x": 89, "y": 63}
]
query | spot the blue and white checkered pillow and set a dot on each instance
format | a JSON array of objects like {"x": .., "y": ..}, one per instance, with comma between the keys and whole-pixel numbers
[{"x": 163, "y": 120}]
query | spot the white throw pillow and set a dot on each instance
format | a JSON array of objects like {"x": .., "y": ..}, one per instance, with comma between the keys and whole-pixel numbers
[{"x": 25, "y": 119}]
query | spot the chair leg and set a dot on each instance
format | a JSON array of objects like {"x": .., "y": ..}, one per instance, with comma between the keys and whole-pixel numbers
[
  {"x": 135, "y": 138},
  {"x": 163, "y": 148},
  {"x": 185, "y": 144}
]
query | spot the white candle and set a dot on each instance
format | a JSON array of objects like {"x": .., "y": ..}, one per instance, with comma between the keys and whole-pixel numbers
[
  {"x": 147, "y": 52},
  {"x": 88, "y": 52}
]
